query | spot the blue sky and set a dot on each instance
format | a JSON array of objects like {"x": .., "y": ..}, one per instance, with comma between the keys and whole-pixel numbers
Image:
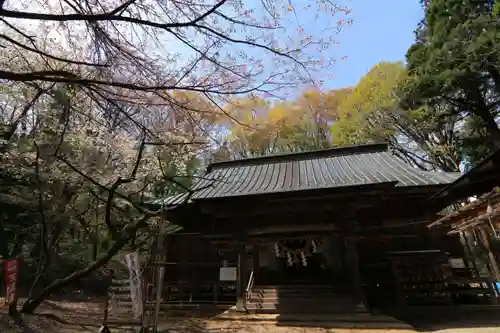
[{"x": 382, "y": 30}]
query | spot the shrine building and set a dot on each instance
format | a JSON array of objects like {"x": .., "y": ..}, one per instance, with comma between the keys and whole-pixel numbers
[{"x": 336, "y": 230}]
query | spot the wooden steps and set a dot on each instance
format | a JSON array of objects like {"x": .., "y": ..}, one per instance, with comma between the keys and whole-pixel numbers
[
  {"x": 119, "y": 305},
  {"x": 311, "y": 299}
]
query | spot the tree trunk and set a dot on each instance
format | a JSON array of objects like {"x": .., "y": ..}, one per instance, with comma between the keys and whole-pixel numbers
[
  {"x": 483, "y": 112},
  {"x": 31, "y": 304},
  {"x": 13, "y": 309},
  {"x": 495, "y": 75}
]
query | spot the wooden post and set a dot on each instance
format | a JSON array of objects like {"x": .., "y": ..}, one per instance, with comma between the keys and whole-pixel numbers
[
  {"x": 241, "y": 277},
  {"x": 215, "y": 292},
  {"x": 469, "y": 254},
  {"x": 161, "y": 276},
  {"x": 109, "y": 279},
  {"x": 160, "y": 272},
  {"x": 256, "y": 259},
  {"x": 491, "y": 257},
  {"x": 351, "y": 242}
]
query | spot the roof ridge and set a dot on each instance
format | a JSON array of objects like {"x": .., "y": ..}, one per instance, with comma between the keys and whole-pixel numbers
[{"x": 342, "y": 150}]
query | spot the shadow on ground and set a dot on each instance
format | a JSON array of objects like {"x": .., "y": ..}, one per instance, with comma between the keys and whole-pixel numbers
[
  {"x": 451, "y": 318},
  {"x": 18, "y": 324},
  {"x": 363, "y": 321},
  {"x": 56, "y": 319},
  {"x": 429, "y": 319},
  {"x": 41, "y": 324}
]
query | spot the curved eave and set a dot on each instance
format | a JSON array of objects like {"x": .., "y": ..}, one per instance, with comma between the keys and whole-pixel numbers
[{"x": 478, "y": 180}]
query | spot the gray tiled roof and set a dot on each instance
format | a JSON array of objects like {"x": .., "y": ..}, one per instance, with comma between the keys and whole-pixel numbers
[{"x": 333, "y": 168}]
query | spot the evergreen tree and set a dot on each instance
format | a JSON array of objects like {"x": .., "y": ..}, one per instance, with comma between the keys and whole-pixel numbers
[{"x": 454, "y": 62}]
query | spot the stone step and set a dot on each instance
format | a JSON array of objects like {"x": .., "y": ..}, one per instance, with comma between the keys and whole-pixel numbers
[
  {"x": 122, "y": 297},
  {"x": 306, "y": 305},
  {"x": 321, "y": 288},
  {"x": 362, "y": 321},
  {"x": 302, "y": 298},
  {"x": 277, "y": 299},
  {"x": 330, "y": 294},
  {"x": 364, "y": 317},
  {"x": 300, "y": 292},
  {"x": 297, "y": 308},
  {"x": 299, "y": 286},
  {"x": 268, "y": 299}
]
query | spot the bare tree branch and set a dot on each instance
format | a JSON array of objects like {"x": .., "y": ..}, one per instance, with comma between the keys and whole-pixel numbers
[{"x": 109, "y": 17}]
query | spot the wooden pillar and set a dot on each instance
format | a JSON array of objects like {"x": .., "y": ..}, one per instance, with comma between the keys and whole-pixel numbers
[
  {"x": 469, "y": 255},
  {"x": 241, "y": 275},
  {"x": 351, "y": 242},
  {"x": 185, "y": 267},
  {"x": 256, "y": 259},
  {"x": 495, "y": 271}
]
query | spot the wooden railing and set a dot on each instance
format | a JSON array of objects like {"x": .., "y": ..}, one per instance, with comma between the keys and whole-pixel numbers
[{"x": 250, "y": 285}]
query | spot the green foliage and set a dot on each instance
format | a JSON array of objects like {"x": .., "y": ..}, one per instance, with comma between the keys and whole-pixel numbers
[
  {"x": 175, "y": 179},
  {"x": 475, "y": 144},
  {"x": 372, "y": 113},
  {"x": 370, "y": 99},
  {"x": 453, "y": 67},
  {"x": 495, "y": 11},
  {"x": 260, "y": 127}
]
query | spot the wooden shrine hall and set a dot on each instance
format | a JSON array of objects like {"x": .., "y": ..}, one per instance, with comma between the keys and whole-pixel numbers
[{"x": 332, "y": 230}]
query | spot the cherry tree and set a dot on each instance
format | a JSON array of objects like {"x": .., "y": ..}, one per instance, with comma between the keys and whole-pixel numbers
[{"x": 99, "y": 93}]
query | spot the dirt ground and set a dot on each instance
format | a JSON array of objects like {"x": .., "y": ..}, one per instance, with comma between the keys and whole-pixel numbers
[{"x": 86, "y": 317}]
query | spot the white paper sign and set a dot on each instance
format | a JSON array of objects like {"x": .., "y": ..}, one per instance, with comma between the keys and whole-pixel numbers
[
  {"x": 457, "y": 262},
  {"x": 134, "y": 268},
  {"x": 227, "y": 274}
]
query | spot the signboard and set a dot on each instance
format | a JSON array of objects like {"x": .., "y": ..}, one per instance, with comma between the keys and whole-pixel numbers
[
  {"x": 456, "y": 262},
  {"x": 134, "y": 269},
  {"x": 10, "y": 269},
  {"x": 227, "y": 274}
]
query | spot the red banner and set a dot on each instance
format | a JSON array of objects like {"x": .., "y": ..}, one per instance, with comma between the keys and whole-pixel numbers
[{"x": 10, "y": 273}]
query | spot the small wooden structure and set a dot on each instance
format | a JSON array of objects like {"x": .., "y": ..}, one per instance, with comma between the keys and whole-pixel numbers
[
  {"x": 480, "y": 213},
  {"x": 475, "y": 217},
  {"x": 334, "y": 222}
]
